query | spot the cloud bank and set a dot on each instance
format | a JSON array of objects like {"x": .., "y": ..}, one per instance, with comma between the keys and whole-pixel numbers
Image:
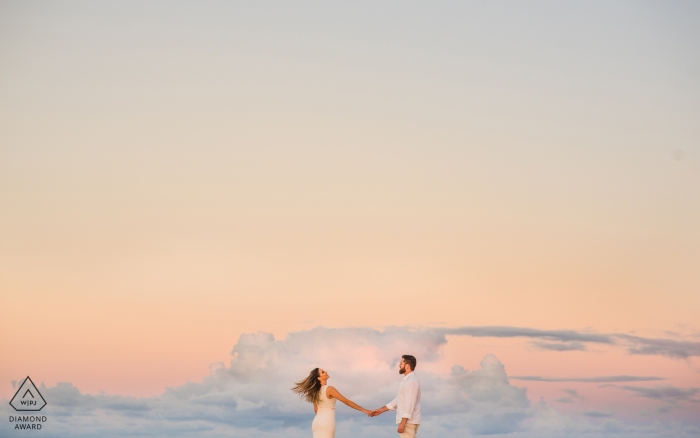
[
  {"x": 567, "y": 340},
  {"x": 251, "y": 397},
  {"x": 600, "y": 379}
]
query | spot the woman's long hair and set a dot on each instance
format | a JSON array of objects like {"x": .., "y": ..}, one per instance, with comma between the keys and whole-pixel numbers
[{"x": 309, "y": 388}]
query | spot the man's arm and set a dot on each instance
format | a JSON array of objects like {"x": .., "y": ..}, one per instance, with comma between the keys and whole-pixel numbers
[
  {"x": 402, "y": 425},
  {"x": 379, "y": 411},
  {"x": 389, "y": 406}
]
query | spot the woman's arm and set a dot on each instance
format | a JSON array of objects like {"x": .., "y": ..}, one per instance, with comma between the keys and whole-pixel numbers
[{"x": 333, "y": 393}]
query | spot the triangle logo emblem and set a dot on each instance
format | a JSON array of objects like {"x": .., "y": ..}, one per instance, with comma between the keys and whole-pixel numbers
[{"x": 28, "y": 397}]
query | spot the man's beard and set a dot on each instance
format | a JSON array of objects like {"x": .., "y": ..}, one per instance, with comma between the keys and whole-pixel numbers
[{"x": 402, "y": 370}]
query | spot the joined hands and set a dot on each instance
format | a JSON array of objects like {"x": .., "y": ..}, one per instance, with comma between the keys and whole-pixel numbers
[{"x": 375, "y": 412}]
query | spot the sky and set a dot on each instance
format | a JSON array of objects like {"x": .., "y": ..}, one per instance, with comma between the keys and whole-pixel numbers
[{"x": 199, "y": 202}]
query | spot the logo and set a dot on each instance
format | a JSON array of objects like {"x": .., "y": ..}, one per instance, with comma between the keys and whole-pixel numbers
[{"x": 28, "y": 397}]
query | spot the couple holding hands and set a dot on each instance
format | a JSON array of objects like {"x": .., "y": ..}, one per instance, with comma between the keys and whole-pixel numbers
[{"x": 314, "y": 389}]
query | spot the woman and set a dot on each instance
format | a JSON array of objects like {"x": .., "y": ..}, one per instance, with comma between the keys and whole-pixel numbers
[{"x": 314, "y": 390}]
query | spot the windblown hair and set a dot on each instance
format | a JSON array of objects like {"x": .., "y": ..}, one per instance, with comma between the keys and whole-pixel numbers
[{"x": 310, "y": 388}]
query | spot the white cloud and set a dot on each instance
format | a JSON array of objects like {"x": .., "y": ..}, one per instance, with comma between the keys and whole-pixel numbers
[{"x": 251, "y": 397}]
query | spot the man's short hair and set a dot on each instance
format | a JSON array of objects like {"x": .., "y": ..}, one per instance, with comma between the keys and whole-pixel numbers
[{"x": 410, "y": 361}]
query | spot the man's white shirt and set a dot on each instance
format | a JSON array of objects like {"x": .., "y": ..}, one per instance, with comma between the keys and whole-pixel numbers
[{"x": 407, "y": 402}]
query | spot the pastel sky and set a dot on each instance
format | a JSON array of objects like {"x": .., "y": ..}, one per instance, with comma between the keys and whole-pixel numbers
[{"x": 199, "y": 201}]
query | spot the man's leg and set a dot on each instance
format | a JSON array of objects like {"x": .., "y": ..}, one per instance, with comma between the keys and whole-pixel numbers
[{"x": 409, "y": 431}]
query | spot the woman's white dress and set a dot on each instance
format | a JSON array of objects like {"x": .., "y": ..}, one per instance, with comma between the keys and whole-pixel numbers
[{"x": 324, "y": 422}]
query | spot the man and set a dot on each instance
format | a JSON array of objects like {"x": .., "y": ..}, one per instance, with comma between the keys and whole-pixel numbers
[{"x": 407, "y": 402}]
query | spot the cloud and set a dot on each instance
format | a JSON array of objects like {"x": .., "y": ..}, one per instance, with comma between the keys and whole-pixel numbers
[
  {"x": 599, "y": 379},
  {"x": 572, "y": 340},
  {"x": 573, "y": 394},
  {"x": 692, "y": 430},
  {"x": 597, "y": 414},
  {"x": 560, "y": 346},
  {"x": 667, "y": 393},
  {"x": 524, "y": 332},
  {"x": 662, "y": 347},
  {"x": 250, "y": 396},
  {"x": 491, "y": 424}
]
